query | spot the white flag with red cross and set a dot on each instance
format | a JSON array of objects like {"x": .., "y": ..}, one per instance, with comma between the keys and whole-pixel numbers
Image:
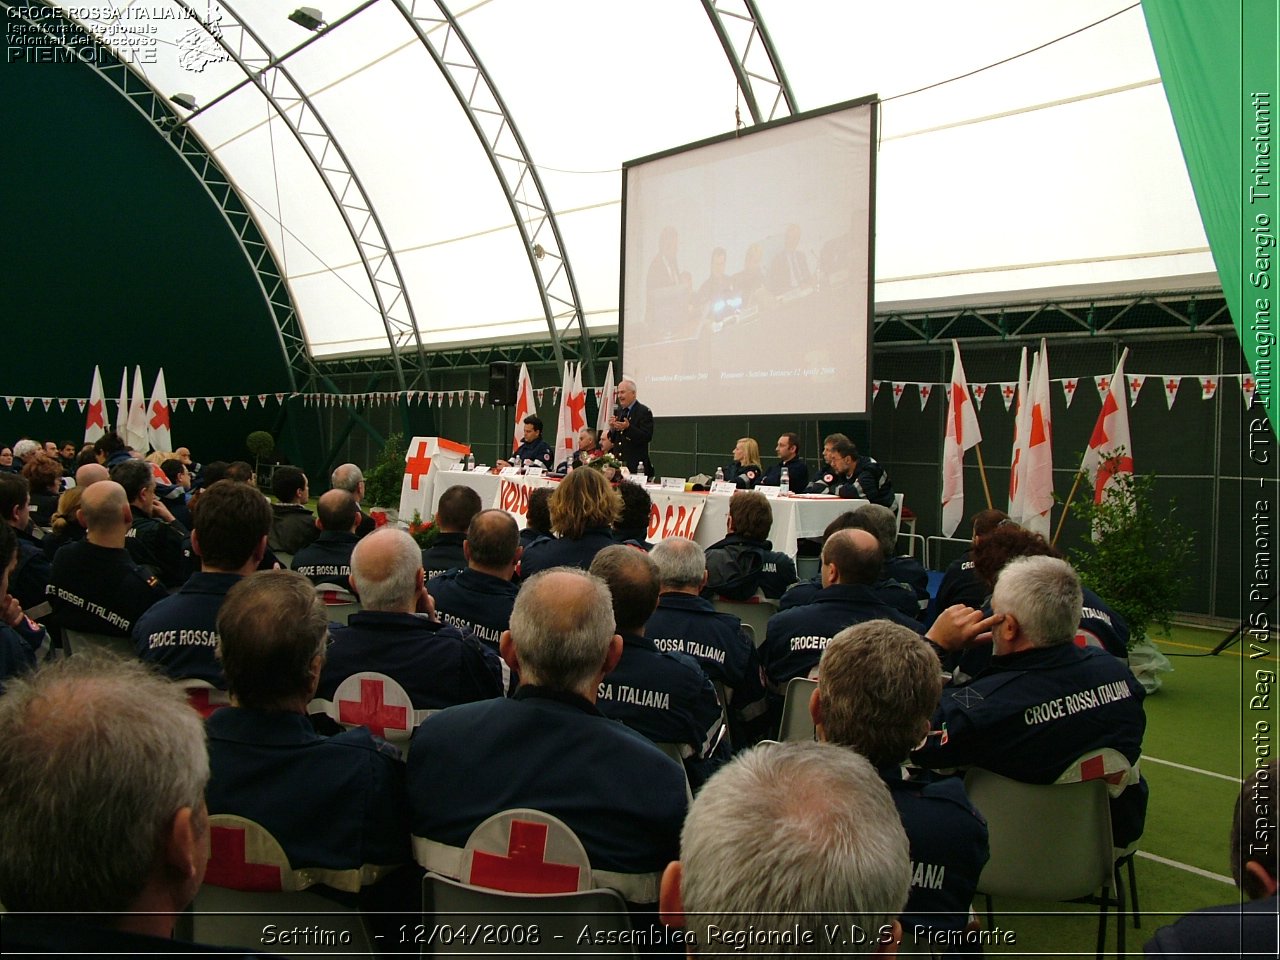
[
  {"x": 962, "y": 433},
  {"x": 525, "y": 407},
  {"x": 95, "y": 417},
  {"x": 1110, "y": 450}
]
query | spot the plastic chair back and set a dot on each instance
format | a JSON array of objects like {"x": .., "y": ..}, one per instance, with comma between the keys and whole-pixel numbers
[
  {"x": 753, "y": 613},
  {"x": 797, "y": 722},
  {"x": 80, "y": 641}
]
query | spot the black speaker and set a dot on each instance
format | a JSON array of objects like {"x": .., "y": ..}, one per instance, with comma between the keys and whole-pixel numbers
[{"x": 503, "y": 377}]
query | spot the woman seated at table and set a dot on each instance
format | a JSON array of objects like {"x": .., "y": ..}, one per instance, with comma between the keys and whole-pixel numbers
[
  {"x": 746, "y": 470},
  {"x": 583, "y": 510}
]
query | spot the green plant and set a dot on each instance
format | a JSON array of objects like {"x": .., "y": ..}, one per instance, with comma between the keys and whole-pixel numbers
[
  {"x": 260, "y": 444},
  {"x": 382, "y": 481},
  {"x": 423, "y": 533},
  {"x": 1138, "y": 558}
]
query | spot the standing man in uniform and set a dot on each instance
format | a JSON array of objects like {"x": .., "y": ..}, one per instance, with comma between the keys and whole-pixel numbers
[{"x": 631, "y": 428}]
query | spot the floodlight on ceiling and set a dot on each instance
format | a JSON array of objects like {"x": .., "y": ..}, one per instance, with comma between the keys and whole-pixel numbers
[
  {"x": 185, "y": 100},
  {"x": 308, "y": 18}
]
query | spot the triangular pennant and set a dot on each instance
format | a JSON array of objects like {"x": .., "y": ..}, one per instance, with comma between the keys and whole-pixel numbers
[
  {"x": 173, "y": 405},
  {"x": 1171, "y": 385},
  {"x": 896, "y": 389},
  {"x": 483, "y": 397},
  {"x": 1136, "y": 380},
  {"x": 1208, "y": 387},
  {"x": 979, "y": 391},
  {"x": 227, "y": 401},
  {"x": 62, "y": 404},
  {"x": 191, "y": 403},
  {"x": 1248, "y": 386},
  {"x": 875, "y": 390},
  {"x": 262, "y": 399},
  {"x": 926, "y": 390},
  {"x": 1007, "y": 392},
  {"x": 1103, "y": 384},
  {"x": 84, "y": 405},
  {"x": 47, "y": 402},
  {"x": 1069, "y": 389},
  {"x": 280, "y": 398},
  {"x": 9, "y": 401},
  {"x": 29, "y": 401}
]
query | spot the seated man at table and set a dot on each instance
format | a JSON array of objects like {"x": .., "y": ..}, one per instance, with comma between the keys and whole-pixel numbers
[
  {"x": 853, "y": 475},
  {"x": 788, "y": 449},
  {"x": 534, "y": 450},
  {"x": 745, "y": 561},
  {"x": 588, "y": 450},
  {"x": 457, "y": 506}
]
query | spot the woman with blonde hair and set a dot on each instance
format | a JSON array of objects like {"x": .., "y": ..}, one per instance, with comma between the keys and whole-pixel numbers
[
  {"x": 746, "y": 464},
  {"x": 583, "y": 510},
  {"x": 66, "y": 528}
]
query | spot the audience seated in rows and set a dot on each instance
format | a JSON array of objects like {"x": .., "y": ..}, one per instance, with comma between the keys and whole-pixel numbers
[
  {"x": 44, "y": 479},
  {"x": 665, "y": 696},
  {"x": 687, "y": 623},
  {"x": 550, "y": 749},
  {"x": 30, "y": 578},
  {"x": 292, "y": 523},
  {"x": 350, "y": 478},
  {"x": 537, "y": 518},
  {"x": 94, "y": 584},
  {"x": 879, "y": 687},
  {"x": 22, "y": 640},
  {"x": 960, "y": 582},
  {"x": 458, "y": 504},
  {"x": 901, "y": 574},
  {"x": 102, "y": 810},
  {"x": 744, "y": 561},
  {"x": 791, "y": 848},
  {"x": 179, "y": 634},
  {"x": 632, "y": 525},
  {"x": 155, "y": 538},
  {"x": 327, "y": 559},
  {"x": 397, "y": 635},
  {"x": 478, "y": 599},
  {"x": 583, "y": 509}
]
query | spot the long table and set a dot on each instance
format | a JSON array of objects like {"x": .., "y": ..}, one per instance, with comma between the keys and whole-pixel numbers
[{"x": 699, "y": 516}]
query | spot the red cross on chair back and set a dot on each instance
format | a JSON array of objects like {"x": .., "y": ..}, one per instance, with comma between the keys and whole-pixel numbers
[
  {"x": 526, "y": 851},
  {"x": 229, "y": 866},
  {"x": 375, "y": 701}
]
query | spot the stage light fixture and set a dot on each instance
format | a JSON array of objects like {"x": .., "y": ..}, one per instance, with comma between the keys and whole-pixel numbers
[{"x": 308, "y": 17}]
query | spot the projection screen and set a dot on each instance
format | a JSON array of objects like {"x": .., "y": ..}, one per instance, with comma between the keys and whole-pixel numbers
[{"x": 747, "y": 269}]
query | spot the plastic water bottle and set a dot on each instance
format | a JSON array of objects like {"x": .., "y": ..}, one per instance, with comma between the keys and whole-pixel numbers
[
  {"x": 641, "y": 471},
  {"x": 784, "y": 483},
  {"x": 719, "y": 474}
]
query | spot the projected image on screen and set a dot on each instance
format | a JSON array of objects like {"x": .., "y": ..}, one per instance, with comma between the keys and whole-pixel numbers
[{"x": 746, "y": 271}]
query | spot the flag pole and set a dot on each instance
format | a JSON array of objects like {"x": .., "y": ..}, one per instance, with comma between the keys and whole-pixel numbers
[
  {"x": 982, "y": 472},
  {"x": 1066, "y": 507}
]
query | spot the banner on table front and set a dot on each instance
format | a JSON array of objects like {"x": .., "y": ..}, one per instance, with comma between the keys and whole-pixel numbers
[{"x": 673, "y": 514}]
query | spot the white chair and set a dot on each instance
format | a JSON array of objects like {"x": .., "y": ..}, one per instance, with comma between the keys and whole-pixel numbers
[
  {"x": 250, "y": 884},
  {"x": 1048, "y": 842},
  {"x": 797, "y": 722},
  {"x": 558, "y": 917},
  {"x": 373, "y": 700}
]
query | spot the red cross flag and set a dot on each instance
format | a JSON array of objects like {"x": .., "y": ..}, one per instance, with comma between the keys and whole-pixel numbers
[
  {"x": 1136, "y": 380},
  {"x": 95, "y": 419},
  {"x": 605, "y": 402},
  {"x": 425, "y": 459},
  {"x": 158, "y": 433},
  {"x": 1110, "y": 448},
  {"x": 1021, "y": 426},
  {"x": 962, "y": 433},
  {"x": 897, "y": 394},
  {"x": 1208, "y": 387},
  {"x": 926, "y": 391},
  {"x": 1007, "y": 392},
  {"x": 122, "y": 407},
  {"x": 525, "y": 407},
  {"x": 1039, "y": 476},
  {"x": 573, "y": 413},
  {"x": 1171, "y": 390},
  {"x": 136, "y": 425}
]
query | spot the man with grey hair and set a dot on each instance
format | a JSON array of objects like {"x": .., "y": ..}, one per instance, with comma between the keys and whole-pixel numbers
[
  {"x": 396, "y": 633},
  {"x": 548, "y": 748},
  {"x": 687, "y": 623},
  {"x": 336, "y": 805},
  {"x": 102, "y": 814},
  {"x": 1043, "y": 702},
  {"x": 878, "y": 688},
  {"x": 791, "y": 848},
  {"x": 631, "y": 428},
  {"x": 350, "y": 478}
]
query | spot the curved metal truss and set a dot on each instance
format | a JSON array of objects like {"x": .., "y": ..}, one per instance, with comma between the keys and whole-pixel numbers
[
  {"x": 83, "y": 46},
  {"x": 453, "y": 54},
  {"x": 752, "y": 55},
  {"x": 298, "y": 112}
]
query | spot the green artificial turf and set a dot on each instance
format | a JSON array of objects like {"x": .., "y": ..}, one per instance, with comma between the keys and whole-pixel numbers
[{"x": 1197, "y": 719}]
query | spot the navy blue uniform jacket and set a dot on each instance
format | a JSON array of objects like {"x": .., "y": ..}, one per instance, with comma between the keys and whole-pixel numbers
[
  {"x": 738, "y": 567},
  {"x": 328, "y": 560},
  {"x": 797, "y": 475},
  {"x": 1233, "y": 930},
  {"x": 444, "y": 554},
  {"x": 548, "y": 553},
  {"x": 180, "y": 633},
  {"x": 157, "y": 546},
  {"x": 86, "y": 575},
  {"x": 538, "y": 451},
  {"x": 474, "y": 602}
]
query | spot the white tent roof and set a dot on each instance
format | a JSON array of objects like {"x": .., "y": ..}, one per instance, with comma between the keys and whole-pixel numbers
[{"x": 1056, "y": 171}]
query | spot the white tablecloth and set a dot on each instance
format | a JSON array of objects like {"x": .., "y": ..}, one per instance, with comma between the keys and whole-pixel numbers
[{"x": 793, "y": 517}]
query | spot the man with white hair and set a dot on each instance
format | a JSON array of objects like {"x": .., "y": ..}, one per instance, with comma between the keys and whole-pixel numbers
[
  {"x": 631, "y": 428},
  {"x": 548, "y": 748},
  {"x": 350, "y": 478},
  {"x": 396, "y": 633},
  {"x": 1043, "y": 702},
  {"x": 102, "y": 814},
  {"x": 791, "y": 848},
  {"x": 687, "y": 623}
]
